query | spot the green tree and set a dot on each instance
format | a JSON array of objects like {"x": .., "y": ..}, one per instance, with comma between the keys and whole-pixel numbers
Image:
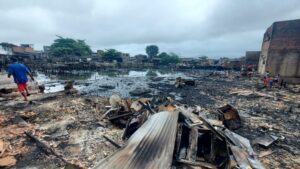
[
  {"x": 67, "y": 46},
  {"x": 111, "y": 55},
  {"x": 167, "y": 59},
  {"x": 152, "y": 51}
]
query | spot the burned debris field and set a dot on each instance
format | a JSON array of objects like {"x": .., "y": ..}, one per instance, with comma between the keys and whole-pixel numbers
[
  {"x": 220, "y": 121},
  {"x": 184, "y": 84}
]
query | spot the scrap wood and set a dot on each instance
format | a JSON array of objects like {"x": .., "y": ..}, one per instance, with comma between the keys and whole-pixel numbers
[
  {"x": 133, "y": 123},
  {"x": 265, "y": 153},
  {"x": 43, "y": 145},
  {"x": 139, "y": 104},
  {"x": 126, "y": 104},
  {"x": 193, "y": 140},
  {"x": 230, "y": 117},
  {"x": 178, "y": 137},
  {"x": 214, "y": 122},
  {"x": 27, "y": 114},
  {"x": 168, "y": 107},
  {"x": 120, "y": 116},
  {"x": 107, "y": 112},
  {"x": 241, "y": 92},
  {"x": 112, "y": 142},
  {"x": 136, "y": 106},
  {"x": 189, "y": 115},
  {"x": 198, "y": 163},
  {"x": 8, "y": 161},
  {"x": 147, "y": 106},
  {"x": 211, "y": 128}
]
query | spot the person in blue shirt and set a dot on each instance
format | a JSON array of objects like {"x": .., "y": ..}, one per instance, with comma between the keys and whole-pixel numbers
[{"x": 19, "y": 73}]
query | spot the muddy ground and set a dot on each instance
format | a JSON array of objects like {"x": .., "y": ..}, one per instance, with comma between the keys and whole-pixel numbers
[{"x": 71, "y": 123}]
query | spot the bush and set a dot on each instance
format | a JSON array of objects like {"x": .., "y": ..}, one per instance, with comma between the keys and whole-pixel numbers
[{"x": 167, "y": 59}]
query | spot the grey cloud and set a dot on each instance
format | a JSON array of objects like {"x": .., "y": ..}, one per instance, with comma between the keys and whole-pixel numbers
[{"x": 188, "y": 27}]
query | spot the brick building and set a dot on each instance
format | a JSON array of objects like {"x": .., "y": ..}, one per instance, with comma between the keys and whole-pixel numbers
[{"x": 280, "y": 52}]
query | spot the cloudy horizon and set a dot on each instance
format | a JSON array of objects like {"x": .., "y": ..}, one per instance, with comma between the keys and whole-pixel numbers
[{"x": 190, "y": 28}]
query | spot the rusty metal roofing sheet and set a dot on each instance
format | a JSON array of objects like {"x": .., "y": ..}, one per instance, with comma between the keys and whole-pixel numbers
[{"x": 151, "y": 146}]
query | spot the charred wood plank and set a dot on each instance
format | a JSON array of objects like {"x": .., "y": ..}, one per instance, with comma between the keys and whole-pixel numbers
[
  {"x": 44, "y": 146},
  {"x": 198, "y": 163},
  {"x": 107, "y": 112},
  {"x": 112, "y": 142},
  {"x": 178, "y": 139},
  {"x": 120, "y": 116},
  {"x": 193, "y": 142}
]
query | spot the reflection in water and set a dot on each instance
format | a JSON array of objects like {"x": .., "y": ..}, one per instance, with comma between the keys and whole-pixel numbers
[{"x": 97, "y": 83}]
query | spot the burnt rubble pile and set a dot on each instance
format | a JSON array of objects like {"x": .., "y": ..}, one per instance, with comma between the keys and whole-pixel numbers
[
  {"x": 67, "y": 130},
  {"x": 166, "y": 134}
]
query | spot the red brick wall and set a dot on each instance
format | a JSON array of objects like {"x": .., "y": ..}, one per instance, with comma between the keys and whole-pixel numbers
[
  {"x": 281, "y": 49},
  {"x": 22, "y": 50},
  {"x": 284, "y": 49}
]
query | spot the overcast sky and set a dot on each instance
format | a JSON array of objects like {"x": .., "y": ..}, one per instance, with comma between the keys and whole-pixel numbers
[{"x": 190, "y": 28}]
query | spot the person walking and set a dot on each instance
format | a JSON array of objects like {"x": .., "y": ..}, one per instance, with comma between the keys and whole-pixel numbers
[{"x": 19, "y": 72}]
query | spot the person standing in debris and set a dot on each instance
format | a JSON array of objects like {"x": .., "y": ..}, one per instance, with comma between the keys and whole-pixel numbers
[
  {"x": 20, "y": 72},
  {"x": 269, "y": 81},
  {"x": 265, "y": 78}
]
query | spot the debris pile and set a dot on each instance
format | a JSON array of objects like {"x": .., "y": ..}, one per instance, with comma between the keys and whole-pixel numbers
[
  {"x": 172, "y": 135},
  {"x": 186, "y": 127},
  {"x": 180, "y": 82}
]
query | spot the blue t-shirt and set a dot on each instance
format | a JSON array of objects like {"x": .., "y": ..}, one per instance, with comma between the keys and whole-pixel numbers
[{"x": 19, "y": 72}]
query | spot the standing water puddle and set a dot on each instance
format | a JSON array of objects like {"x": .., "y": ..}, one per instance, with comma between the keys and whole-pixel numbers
[{"x": 107, "y": 83}]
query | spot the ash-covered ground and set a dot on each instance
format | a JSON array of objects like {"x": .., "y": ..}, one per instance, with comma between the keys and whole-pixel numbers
[{"x": 72, "y": 125}]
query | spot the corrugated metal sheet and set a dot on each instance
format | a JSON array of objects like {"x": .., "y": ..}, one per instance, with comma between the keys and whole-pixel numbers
[{"x": 151, "y": 146}]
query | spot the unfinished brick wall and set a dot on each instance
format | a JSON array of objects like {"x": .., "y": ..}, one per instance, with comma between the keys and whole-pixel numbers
[{"x": 281, "y": 49}]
